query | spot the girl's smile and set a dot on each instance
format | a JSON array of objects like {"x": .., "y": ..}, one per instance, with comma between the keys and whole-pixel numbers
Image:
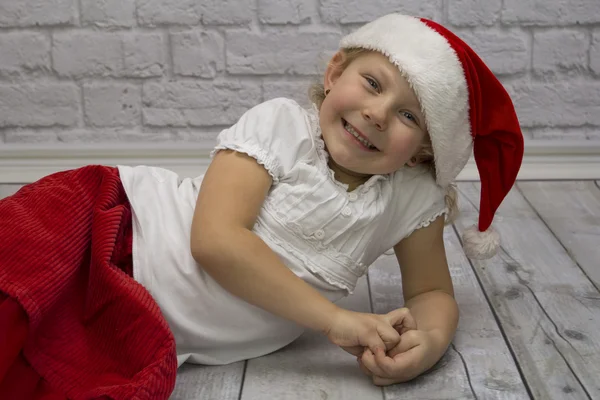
[{"x": 356, "y": 136}]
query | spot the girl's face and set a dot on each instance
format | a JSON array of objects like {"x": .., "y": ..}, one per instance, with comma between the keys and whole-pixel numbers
[{"x": 371, "y": 120}]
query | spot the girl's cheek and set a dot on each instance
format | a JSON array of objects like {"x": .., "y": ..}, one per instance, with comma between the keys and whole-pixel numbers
[
  {"x": 340, "y": 101},
  {"x": 408, "y": 145}
]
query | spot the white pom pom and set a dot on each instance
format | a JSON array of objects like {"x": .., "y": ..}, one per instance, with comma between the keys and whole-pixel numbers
[{"x": 480, "y": 245}]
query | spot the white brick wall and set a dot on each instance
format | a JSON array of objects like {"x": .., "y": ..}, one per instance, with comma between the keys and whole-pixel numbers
[{"x": 169, "y": 70}]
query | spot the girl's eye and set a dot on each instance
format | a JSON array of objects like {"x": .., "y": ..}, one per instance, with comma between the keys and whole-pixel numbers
[
  {"x": 372, "y": 83},
  {"x": 409, "y": 116}
]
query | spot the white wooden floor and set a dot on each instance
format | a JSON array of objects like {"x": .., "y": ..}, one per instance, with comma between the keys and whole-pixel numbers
[{"x": 530, "y": 317}]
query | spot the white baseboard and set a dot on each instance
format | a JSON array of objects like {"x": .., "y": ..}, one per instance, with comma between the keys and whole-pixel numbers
[{"x": 544, "y": 160}]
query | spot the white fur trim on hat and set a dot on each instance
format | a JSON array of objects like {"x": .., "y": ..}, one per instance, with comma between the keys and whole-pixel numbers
[
  {"x": 480, "y": 245},
  {"x": 432, "y": 68}
]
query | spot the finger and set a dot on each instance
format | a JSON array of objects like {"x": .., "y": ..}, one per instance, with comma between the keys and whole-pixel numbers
[
  {"x": 399, "y": 367},
  {"x": 405, "y": 365},
  {"x": 379, "y": 381},
  {"x": 368, "y": 359},
  {"x": 385, "y": 364},
  {"x": 388, "y": 338},
  {"x": 408, "y": 340},
  {"x": 354, "y": 350},
  {"x": 401, "y": 317},
  {"x": 364, "y": 369}
]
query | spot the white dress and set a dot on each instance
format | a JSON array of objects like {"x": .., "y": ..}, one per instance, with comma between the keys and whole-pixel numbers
[{"x": 324, "y": 234}]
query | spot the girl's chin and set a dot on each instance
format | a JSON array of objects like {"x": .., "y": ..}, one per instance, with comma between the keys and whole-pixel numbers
[{"x": 353, "y": 170}]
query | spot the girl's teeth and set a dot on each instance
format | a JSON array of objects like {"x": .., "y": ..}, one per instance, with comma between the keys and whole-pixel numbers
[{"x": 356, "y": 135}]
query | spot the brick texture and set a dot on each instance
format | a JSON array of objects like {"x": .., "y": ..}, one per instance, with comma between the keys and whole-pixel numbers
[
  {"x": 111, "y": 104},
  {"x": 560, "y": 50},
  {"x": 37, "y": 13},
  {"x": 198, "y": 53},
  {"x": 285, "y": 11},
  {"x": 505, "y": 51},
  {"x": 166, "y": 70},
  {"x": 39, "y": 104},
  {"x": 24, "y": 53},
  {"x": 108, "y": 13},
  {"x": 474, "y": 12}
]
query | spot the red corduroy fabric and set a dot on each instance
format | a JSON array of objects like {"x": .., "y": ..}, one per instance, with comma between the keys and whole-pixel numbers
[{"x": 74, "y": 324}]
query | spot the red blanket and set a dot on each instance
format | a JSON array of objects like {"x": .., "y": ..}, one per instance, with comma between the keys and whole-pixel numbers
[{"x": 74, "y": 324}]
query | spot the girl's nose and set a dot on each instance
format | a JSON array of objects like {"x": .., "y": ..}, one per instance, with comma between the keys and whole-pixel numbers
[{"x": 376, "y": 116}]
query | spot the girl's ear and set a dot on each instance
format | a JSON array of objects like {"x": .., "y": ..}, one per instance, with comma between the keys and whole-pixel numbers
[
  {"x": 412, "y": 162},
  {"x": 334, "y": 70}
]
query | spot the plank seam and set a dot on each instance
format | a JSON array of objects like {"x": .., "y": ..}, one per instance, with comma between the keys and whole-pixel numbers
[
  {"x": 509, "y": 345},
  {"x": 498, "y": 322},
  {"x": 466, "y": 367},
  {"x": 243, "y": 380},
  {"x": 557, "y": 238}
]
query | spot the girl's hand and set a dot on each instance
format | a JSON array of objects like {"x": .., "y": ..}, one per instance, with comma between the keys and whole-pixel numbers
[
  {"x": 416, "y": 353},
  {"x": 354, "y": 331}
]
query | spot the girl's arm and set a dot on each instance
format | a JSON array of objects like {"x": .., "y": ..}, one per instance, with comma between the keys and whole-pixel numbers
[
  {"x": 222, "y": 242},
  {"x": 429, "y": 296},
  {"x": 426, "y": 282}
]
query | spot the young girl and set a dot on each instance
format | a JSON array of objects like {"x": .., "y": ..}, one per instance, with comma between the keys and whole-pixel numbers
[{"x": 113, "y": 277}]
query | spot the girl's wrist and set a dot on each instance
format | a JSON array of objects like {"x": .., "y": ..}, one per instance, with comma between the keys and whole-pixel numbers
[{"x": 327, "y": 318}]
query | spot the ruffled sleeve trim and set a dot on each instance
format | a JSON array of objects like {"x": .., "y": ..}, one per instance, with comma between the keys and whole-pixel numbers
[
  {"x": 262, "y": 156},
  {"x": 423, "y": 224},
  {"x": 432, "y": 218}
]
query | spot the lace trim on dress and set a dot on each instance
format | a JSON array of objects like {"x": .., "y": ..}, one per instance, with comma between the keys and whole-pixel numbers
[
  {"x": 429, "y": 220},
  {"x": 262, "y": 156},
  {"x": 326, "y": 275}
]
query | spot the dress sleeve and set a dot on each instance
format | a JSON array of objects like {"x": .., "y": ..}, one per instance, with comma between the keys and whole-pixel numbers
[
  {"x": 276, "y": 133},
  {"x": 418, "y": 201}
]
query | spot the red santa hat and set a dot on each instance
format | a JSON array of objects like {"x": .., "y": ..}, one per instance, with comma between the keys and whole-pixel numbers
[{"x": 466, "y": 110}]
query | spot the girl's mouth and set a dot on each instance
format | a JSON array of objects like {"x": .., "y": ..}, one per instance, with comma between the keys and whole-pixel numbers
[{"x": 360, "y": 139}]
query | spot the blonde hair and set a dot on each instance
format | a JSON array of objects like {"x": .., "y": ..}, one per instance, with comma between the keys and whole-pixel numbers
[{"x": 425, "y": 157}]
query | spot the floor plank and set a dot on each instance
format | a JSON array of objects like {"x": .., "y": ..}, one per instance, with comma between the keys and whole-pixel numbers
[
  {"x": 478, "y": 365},
  {"x": 199, "y": 382},
  {"x": 542, "y": 295},
  {"x": 312, "y": 368},
  {"x": 572, "y": 212},
  {"x": 547, "y": 307},
  {"x": 8, "y": 189}
]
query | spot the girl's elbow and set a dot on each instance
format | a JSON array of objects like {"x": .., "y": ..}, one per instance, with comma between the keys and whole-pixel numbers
[
  {"x": 198, "y": 252},
  {"x": 203, "y": 246},
  {"x": 211, "y": 245}
]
